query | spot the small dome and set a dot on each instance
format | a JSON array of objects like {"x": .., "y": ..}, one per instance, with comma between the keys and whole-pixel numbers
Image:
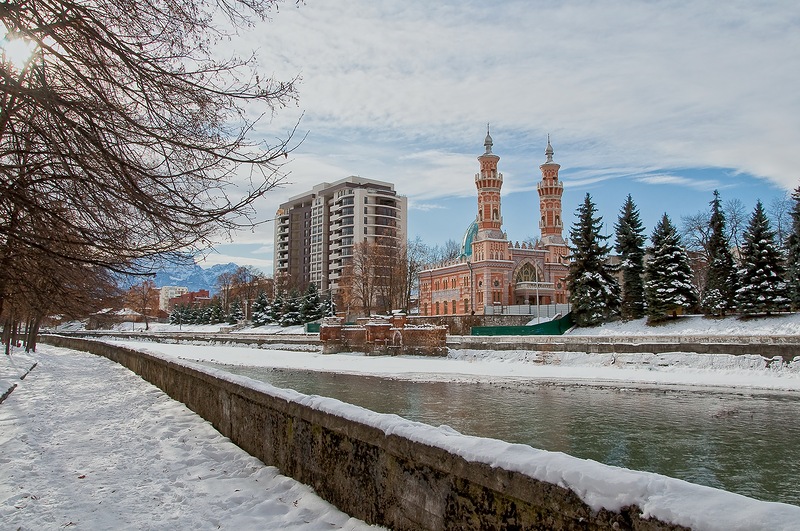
[{"x": 488, "y": 142}]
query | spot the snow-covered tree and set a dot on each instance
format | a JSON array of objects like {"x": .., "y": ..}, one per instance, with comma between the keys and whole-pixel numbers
[
  {"x": 215, "y": 312},
  {"x": 762, "y": 288},
  {"x": 630, "y": 246},
  {"x": 668, "y": 273},
  {"x": 328, "y": 307},
  {"x": 236, "y": 312},
  {"x": 291, "y": 309},
  {"x": 793, "y": 253},
  {"x": 275, "y": 312},
  {"x": 261, "y": 315},
  {"x": 721, "y": 279},
  {"x": 311, "y": 305},
  {"x": 178, "y": 315},
  {"x": 594, "y": 292}
]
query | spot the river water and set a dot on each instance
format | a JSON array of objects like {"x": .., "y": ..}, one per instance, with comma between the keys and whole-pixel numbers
[{"x": 744, "y": 443}]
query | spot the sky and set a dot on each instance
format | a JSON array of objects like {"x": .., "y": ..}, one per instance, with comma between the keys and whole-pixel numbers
[{"x": 666, "y": 101}]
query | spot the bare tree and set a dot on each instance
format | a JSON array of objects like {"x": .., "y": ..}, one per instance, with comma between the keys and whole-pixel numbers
[
  {"x": 125, "y": 136},
  {"x": 143, "y": 298},
  {"x": 246, "y": 282},
  {"x": 696, "y": 228},
  {"x": 359, "y": 279},
  {"x": 696, "y": 232},
  {"x": 736, "y": 218},
  {"x": 779, "y": 212}
]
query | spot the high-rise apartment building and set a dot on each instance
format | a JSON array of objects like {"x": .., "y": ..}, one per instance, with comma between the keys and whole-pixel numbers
[{"x": 315, "y": 232}]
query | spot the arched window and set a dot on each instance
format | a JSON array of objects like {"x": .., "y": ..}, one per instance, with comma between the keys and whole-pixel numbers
[
  {"x": 455, "y": 308},
  {"x": 528, "y": 273},
  {"x": 445, "y": 307},
  {"x": 437, "y": 309}
]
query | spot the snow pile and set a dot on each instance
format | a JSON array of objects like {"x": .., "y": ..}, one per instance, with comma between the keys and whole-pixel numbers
[{"x": 783, "y": 324}]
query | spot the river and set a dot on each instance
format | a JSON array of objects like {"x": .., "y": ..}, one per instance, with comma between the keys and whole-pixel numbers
[{"x": 744, "y": 443}]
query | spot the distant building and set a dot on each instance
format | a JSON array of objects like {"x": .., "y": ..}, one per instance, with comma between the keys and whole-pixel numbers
[
  {"x": 315, "y": 232},
  {"x": 492, "y": 272},
  {"x": 170, "y": 292},
  {"x": 200, "y": 297}
]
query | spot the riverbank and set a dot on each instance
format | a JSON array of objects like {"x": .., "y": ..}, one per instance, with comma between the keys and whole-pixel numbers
[
  {"x": 719, "y": 371},
  {"x": 86, "y": 443}
]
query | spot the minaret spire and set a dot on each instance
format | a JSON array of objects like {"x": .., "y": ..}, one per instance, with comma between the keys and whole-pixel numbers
[
  {"x": 488, "y": 142},
  {"x": 549, "y": 150}
]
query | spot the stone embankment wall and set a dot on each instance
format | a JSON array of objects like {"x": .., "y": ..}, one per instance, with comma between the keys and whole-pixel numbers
[
  {"x": 368, "y": 471},
  {"x": 786, "y": 347},
  {"x": 209, "y": 337}
]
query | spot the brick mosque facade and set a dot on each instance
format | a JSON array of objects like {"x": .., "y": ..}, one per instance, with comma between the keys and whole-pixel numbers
[{"x": 491, "y": 270}]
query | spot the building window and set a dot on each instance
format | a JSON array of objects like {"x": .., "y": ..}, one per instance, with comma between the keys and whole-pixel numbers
[
  {"x": 455, "y": 308},
  {"x": 437, "y": 308},
  {"x": 445, "y": 307}
]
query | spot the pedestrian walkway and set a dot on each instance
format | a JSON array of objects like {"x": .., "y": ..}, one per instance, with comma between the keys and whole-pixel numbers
[{"x": 87, "y": 444}]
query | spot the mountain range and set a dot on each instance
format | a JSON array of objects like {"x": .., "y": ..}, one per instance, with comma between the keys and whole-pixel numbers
[{"x": 193, "y": 276}]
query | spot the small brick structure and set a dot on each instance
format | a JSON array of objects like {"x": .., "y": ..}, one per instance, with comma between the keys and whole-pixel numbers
[{"x": 383, "y": 335}]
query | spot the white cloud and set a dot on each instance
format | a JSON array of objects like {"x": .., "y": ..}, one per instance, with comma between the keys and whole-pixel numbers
[
  {"x": 631, "y": 92},
  {"x": 699, "y": 184}
]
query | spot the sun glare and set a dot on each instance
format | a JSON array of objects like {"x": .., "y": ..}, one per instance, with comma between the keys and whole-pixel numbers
[{"x": 16, "y": 50}]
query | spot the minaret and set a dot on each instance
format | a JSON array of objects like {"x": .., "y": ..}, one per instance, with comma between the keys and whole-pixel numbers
[
  {"x": 550, "y": 190},
  {"x": 489, "y": 182}
]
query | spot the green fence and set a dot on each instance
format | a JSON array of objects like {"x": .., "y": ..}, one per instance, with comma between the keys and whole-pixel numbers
[
  {"x": 312, "y": 328},
  {"x": 556, "y": 327}
]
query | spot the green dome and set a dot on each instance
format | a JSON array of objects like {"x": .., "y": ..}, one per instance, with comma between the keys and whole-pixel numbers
[{"x": 469, "y": 237}]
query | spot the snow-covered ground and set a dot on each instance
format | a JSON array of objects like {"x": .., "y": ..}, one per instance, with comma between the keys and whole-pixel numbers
[
  {"x": 721, "y": 371},
  {"x": 697, "y": 325},
  {"x": 85, "y": 443},
  {"x": 137, "y": 459}
]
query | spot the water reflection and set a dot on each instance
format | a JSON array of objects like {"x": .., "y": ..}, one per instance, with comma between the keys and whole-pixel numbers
[{"x": 744, "y": 444}]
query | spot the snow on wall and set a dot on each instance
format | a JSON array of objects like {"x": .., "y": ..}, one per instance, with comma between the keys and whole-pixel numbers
[{"x": 599, "y": 486}]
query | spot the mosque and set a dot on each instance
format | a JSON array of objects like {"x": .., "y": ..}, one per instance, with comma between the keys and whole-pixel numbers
[{"x": 492, "y": 273}]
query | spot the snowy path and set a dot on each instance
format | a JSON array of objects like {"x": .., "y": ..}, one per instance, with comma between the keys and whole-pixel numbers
[{"x": 85, "y": 443}]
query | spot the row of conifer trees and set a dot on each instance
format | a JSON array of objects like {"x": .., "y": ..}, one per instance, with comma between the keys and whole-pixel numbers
[
  {"x": 286, "y": 309},
  {"x": 657, "y": 281}
]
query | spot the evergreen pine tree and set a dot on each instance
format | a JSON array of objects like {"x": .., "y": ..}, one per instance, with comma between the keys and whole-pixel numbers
[
  {"x": 328, "y": 307},
  {"x": 311, "y": 306},
  {"x": 176, "y": 316},
  {"x": 291, "y": 309},
  {"x": 260, "y": 313},
  {"x": 236, "y": 312},
  {"x": 216, "y": 314},
  {"x": 762, "y": 288},
  {"x": 793, "y": 253},
  {"x": 276, "y": 308},
  {"x": 630, "y": 246},
  {"x": 594, "y": 292},
  {"x": 668, "y": 274},
  {"x": 204, "y": 315},
  {"x": 721, "y": 279}
]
